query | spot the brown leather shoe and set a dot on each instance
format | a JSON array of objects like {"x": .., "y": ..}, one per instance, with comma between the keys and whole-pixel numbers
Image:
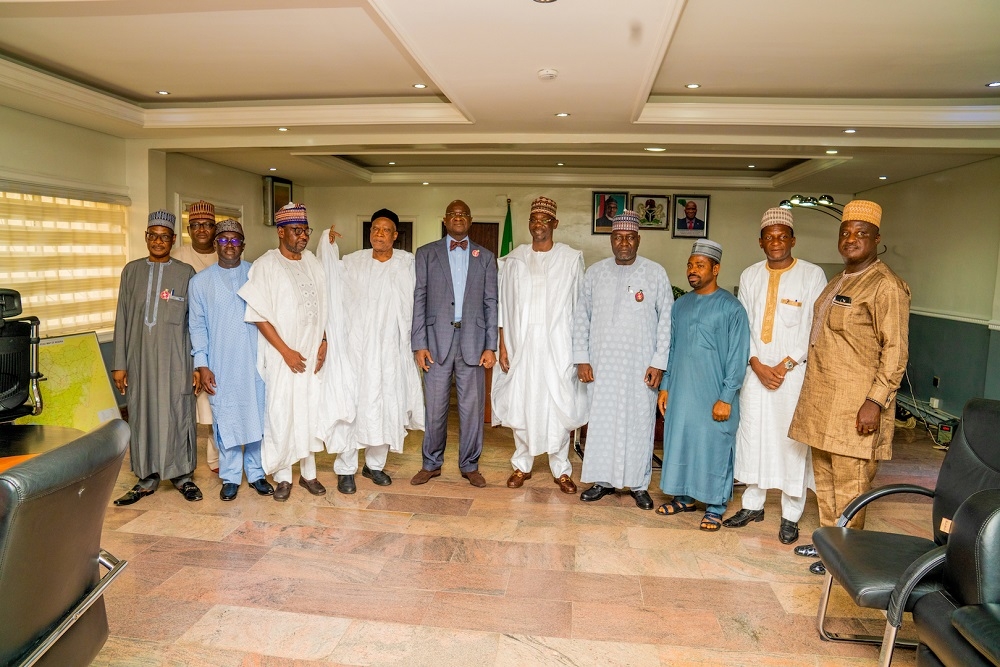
[
  {"x": 313, "y": 486},
  {"x": 475, "y": 478},
  {"x": 425, "y": 476},
  {"x": 516, "y": 479},
  {"x": 282, "y": 491},
  {"x": 565, "y": 483}
]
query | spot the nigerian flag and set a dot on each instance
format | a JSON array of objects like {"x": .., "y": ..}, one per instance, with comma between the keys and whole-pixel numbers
[{"x": 507, "y": 242}]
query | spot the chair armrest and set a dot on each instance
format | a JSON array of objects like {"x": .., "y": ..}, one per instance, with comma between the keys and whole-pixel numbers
[
  {"x": 914, "y": 574},
  {"x": 858, "y": 503},
  {"x": 980, "y": 625}
]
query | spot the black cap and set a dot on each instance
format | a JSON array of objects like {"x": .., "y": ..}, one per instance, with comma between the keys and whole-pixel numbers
[{"x": 385, "y": 213}]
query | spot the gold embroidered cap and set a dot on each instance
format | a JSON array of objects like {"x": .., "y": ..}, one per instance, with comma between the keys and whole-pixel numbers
[
  {"x": 777, "y": 216},
  {"x": 543, "y": 205},
  {"x": 201, "y": 210},
  {"x": 863, "y": 210}
]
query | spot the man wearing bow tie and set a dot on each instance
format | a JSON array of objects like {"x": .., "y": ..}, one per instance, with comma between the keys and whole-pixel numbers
[{"x": 454, "y": 333}]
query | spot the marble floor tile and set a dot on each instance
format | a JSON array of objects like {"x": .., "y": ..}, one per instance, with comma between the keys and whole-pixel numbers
[
  {"x": 318, "y": 565},
  {"x": 267, "y": 631},
  {"x": 376, "y": 644},
  {"x": 499, "y": 614},
  {"x": 144, "y": 617},
  {"x": 114, "y": 517},
  {"x": 129, "y": 652},
  {"x": 643, "y": 625},
  {"x": 126, "y": 545},
  {"x": 685, "y": 538},
  {"x": 653, "y": 562},
  {"x": 515, "y": 554},
  {"x": 409, "y": 547},
  {"x": 574, "y": 586},
  {"x": 393, "y": 502},
  {"x": 803, "y": 599},
  {"x": 452, "y": 577},
  {"x": 397, "y": 605},
  {"x": 196, "y": 552},
  {"x": 362, "y": 519},
  {"x": 463, "y": 527},
  {"x": 175, "y": 524},
  {"x": 708, "y": 594},
  {"x": 520, "y": 650}
]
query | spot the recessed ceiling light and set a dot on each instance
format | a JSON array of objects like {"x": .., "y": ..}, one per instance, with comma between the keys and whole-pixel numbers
[
  {"x": 849, "y": 131},
  {"x": 544, "y": 2},
  {"x": 559, "y": 164},
  {"x": 831, "y": 152},
  {"x": 273, "y": 169},
  {"x": 425, "y": 183},
  {"x": 751, "y": 166},
  {"x": 562, "y": 114},
  {"x": 654, "y": 149},
  {"x": 420, "y": 85},
  {"x": 392, "y": 163},
  {"x": 993, "y": 84},
  {"x": 692, "y": 86},
  {"x": 282, "y": 129},
  {"x": 882, "y": 178},
  {"x": 163, "y": 92}
]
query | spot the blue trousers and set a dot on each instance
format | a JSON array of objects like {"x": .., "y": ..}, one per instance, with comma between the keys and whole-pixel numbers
[
  {"x": 233, "y": 460},
  {"x": 688, "y": 500}
]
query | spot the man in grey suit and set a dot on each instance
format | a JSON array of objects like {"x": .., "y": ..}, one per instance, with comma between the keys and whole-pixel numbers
[{"x": 454, "y": 333}]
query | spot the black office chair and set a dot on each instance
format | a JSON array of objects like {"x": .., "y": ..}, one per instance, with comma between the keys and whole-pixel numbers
[
  {"x": 51, "y": 515},
  {"x": 868, "y": 564},
  {"x": 19, "y": 376},
  {"x": 958, "y": 625}
]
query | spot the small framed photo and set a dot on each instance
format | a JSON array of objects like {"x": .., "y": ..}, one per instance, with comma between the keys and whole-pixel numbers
[
  {"x": 690, "y": 216},
  {"x": 277, "y": 193},
  {"x": 653, "y": 211},
  {"x": 606, "y": 206}
]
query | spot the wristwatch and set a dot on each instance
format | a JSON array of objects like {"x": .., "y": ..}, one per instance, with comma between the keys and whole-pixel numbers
[{"x": 789, "y": 364}]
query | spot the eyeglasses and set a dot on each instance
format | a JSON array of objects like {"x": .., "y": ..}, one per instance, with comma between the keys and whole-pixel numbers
[
  {"x": 236, "y": 243},
  {"x": 201, "y": 225},
  {"x": 299, "y": 231},
  {"x": 457, "y": 214},
  {"x": 166, "y": 238}
]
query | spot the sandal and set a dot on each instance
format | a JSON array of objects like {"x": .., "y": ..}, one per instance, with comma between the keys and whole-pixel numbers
[
  {"x": 675, "y": 507},
  {"x": 711, "y": 522}
]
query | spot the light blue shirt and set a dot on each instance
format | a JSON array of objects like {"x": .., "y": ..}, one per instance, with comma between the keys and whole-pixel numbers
[{"x": 458, "y": 260}]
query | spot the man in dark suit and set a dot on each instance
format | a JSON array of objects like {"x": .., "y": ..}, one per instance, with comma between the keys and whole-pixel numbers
[
  {"x": 454, "y": 332},
  {"x": 690, "y": 219}
]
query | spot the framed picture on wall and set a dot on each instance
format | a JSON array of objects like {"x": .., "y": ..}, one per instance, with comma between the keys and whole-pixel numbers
[
  {"x": 277, "y": 193},
  {"x": 691, "y": 216},
  {"x": 606, "y": 206},
  {"x": 653, "y": 211}
]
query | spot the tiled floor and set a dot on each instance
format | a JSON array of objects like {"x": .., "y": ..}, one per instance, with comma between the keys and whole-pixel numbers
[{"x": 447, "y": 574}]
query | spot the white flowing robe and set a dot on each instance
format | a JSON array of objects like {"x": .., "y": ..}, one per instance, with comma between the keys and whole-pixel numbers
[
  {"x": 291, "y": 296},
  {"x": 621, "y": 328},
  {"x": 372, "y": 390},
  {"x": 539, "y": 292},
  {"x": 765, "y": 455}
]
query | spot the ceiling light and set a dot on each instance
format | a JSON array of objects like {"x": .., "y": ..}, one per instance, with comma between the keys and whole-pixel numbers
[
  {"x": 420, "y": 86},
  {"x": 544, "y": 2},
  {"x": 392, "y": 163},
  {"x": 692, "y": 86},
  {"x": 282, "y": 129},
  {"x": 882, "y": 178},
  {"x": 654, "y": 149},
  {"x": 273, "y": 169},
  {"x": 562, "y": 114},
  {"x": 993, "y": 84},
  {"x": 163, "y": 92},
  {"x": 831, "y": 152},
  {"x": 559, "y": 164},
  {"x": 547, "y": 74},
  {"x": 425, "y": 183},
  {"x": 751, "y": 166},
  {"x": 849, "y": 131}
]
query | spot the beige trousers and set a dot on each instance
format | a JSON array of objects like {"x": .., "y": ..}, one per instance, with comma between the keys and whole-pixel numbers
[{"x": 839, "y": 480}]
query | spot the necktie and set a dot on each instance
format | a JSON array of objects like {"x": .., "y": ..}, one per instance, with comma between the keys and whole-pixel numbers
[{"x": 459, "y": 244}]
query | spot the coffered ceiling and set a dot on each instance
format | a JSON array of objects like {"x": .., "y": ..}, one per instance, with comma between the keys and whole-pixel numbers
[{"x": 780, "y": 81}]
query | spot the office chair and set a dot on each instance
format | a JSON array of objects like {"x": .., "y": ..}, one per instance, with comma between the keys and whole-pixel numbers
[{"x": 19, "y": 376}]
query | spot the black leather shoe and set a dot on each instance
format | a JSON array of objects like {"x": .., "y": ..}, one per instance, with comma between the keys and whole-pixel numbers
[
  {"x": 789, "y": 532},
  {"x": 596, "y": 492},
  {"x": 376, "y": 476},
  {"x": 346, "y": 485},
  {"x": 807, "y": 550},
  {"x": 642, "y": 499},
  {"x": 191, "y": 491},
  {"x": 818, "y": 567},
  {"x": 134, "y": 495},
  {"x": 229, "y": 491},
  {"x": 743, "y": 517},
  {"x": 263, "y": 487}
]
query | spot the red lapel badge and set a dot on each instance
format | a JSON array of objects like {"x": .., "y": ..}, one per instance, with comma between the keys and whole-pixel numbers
[
  {"x": 475, "y": 253},
  {"x": 639, "y": 296}
]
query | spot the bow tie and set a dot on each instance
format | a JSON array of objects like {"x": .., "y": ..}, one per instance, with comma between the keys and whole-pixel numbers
[{"x": 459, "y": 244}]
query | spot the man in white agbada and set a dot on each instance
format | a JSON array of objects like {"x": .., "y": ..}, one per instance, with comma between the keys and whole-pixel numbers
[
  {"x": 200, "y": 254},
  {"x": 286, "y": 298},
  {"x": 621, "y": 342},
  {"x": 538, "y": 395},
  {"x": 372, "y": 391},
  {"x": 778, "y": 294}
]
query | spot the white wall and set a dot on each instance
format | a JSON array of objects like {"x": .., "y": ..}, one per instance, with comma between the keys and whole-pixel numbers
[
  {"x": 943, "y": 235},
  {"x": 734, "y": 221},
  {"x": 192, "y": 178}
]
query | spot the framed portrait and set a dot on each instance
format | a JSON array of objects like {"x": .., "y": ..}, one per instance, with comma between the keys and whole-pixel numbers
[
  {"x": 277, "y": 193},
  {"x": 690, "y": 216},
  {"x": 606, "y": 206},
  {"x": 653, "y": 210}
]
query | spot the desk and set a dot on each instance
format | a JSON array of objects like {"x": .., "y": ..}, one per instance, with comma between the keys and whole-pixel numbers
[{"x": 20, "y": 442}]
